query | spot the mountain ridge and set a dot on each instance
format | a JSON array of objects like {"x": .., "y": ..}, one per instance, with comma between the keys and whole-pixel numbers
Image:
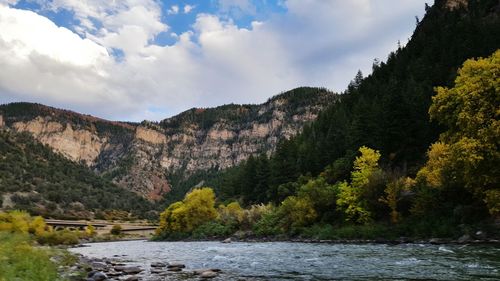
[{"x": 142, "y": 156}]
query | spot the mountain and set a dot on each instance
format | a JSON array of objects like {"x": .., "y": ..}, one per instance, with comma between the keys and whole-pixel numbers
[
  {"x": 34, "y": 178},
  {"x": 141, "y": 157},
  {"x": 386, "y": 111}
]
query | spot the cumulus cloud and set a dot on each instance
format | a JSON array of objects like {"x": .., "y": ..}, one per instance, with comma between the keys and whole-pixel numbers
[
  {"x": 316, "y": 42},
  {"x": 44, "y": 62},
  {"x": 188, "y": 8},
  {"x": 174, "y": 10}
]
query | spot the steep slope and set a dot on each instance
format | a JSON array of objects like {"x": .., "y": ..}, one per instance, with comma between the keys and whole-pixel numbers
[
  {"x": 34, "y": 178},
  {"x": 387, "y": 110},
  {"x": 142, "y": 157},
  {"x": 218, "y": 138}
]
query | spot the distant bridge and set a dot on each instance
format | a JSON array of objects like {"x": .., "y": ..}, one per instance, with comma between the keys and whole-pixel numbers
[
  {"x": 73, "y": 224},
  {"x": 102, "y": 226}
]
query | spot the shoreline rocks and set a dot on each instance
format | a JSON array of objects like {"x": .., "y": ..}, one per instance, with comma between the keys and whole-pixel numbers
[{"x": 115, "y": 269}]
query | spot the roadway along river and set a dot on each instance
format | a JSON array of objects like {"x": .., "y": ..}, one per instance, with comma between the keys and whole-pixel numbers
[{"x": 301, "y": 261}]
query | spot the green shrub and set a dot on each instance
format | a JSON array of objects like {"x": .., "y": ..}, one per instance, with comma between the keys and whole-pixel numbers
[
  {"x": 60, "y": 237},
  {"x": 116, "y": 229},
  {"x": 319, "y": 231},
  {"x": 370, "y": 231},
  {"x": 211, "y": 230},
  {"x": 268, "y": 225},
  {"x": 20, "y": 261}
]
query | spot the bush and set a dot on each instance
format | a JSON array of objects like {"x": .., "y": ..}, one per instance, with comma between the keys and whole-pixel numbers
[
  {"x": 90, "y": 231},
  {"x": 296, "y": 212},
  {"x": 197, "y": 208},
  {"x": 370, "y": 232},
  {"x": 116, "y": 229},
  {"x": 21, "y": 261},
  {"x": 252, "y": 215},
  {"x": 268, "y": 225},
  {"x": 61, "y": 237},
  {"x": 319, "y": 231},
  {"x": 212, "y": 229},
  {"x": 232, "y": 214}
]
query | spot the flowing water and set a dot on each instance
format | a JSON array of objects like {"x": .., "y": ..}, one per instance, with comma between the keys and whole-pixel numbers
[{"x": 303, "y": 261}]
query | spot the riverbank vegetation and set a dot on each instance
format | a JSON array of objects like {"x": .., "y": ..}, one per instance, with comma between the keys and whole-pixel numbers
[
  {"x": 453, "y": 193},
  {"x": 22, "y": 256}
]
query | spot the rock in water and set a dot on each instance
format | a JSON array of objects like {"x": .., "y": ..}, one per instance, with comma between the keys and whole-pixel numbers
[
  {"x": 131, "y": 269},
  {"x": 178, "y": 265},
  {"x": 99, "y": 276},
  {"x": 200, "y": 271},
  {"x": 158, "y": 264},
  {"x": 98, "y": 265},
  {"x": 228, "y": 240},
  {"x": 208, "y": 274},
  {"x": 464, "y": 238}
]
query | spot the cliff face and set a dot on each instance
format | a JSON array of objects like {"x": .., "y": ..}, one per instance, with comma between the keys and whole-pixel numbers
[
  {"x": 75, "y": 144},
  {"x": 140, "y": 157}
]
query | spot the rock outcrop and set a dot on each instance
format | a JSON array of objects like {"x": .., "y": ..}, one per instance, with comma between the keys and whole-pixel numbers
[
  {"x": 77, "y": 145},
  {"x": 141, "y": 157}
]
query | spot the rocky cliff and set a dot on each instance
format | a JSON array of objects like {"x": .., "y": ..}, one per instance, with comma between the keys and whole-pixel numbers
[{"x": 141, "y": 157}]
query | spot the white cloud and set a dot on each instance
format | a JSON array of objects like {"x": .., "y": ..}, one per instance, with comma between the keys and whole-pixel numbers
[
  {"x": 316, "y": 43},
  {"x": 8, "y": 2},
  {"x": 45, "y": 62},
  {"x": 174, "y": 10},
  {"x": 125, "y": 24},
  {"x": 188, "y": 8}
]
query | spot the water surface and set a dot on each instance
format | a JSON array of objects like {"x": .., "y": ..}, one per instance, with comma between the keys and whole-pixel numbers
[{"x": 303, "y": 261}]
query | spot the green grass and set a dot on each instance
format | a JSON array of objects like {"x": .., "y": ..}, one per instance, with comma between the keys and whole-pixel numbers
[{"x": 19, "y": 260}]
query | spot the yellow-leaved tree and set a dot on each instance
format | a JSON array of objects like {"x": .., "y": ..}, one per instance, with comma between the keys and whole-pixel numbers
[
  {"x": 468, "y": 153},
  {"x": 349, "y": 199},
  {"x": 198, "y": 207}
]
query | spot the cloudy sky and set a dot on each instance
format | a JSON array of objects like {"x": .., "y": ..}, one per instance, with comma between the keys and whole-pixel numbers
[{"x": 148, "y": 59}]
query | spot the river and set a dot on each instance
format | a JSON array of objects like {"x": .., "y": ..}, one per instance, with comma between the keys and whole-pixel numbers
[{"x": 305, "y": 261}]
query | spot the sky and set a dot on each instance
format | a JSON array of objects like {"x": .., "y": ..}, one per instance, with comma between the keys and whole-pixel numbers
[{"x": 140, "y": 60}]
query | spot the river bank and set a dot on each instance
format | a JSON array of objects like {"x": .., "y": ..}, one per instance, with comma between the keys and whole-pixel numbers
[
  {"x": 465, "y": 239},
  {"x": 119, "y": 267}
]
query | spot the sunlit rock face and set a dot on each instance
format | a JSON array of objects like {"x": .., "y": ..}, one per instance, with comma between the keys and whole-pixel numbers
[
  {"x": 77, "y": 145},
  {"x": 141, "y": 157}
]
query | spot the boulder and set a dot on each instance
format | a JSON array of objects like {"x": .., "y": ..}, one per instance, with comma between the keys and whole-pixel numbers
[
  {"x": 129, "y": 269},
  {"x": 97, "y": 265},
  {"x": 436, "y": 241},
  {"x": 156, "y": 270},
  {"x": 480, "y": 235},
  {"x": 99, "y": 276},
  {"x": 200, "y": 271},
  {"x": 173, "y": 264},
  {"x": 464, "y": 238},
  {"x": 208, "y": 274},
  {"x": 158, "y": 264},
  {"x": 228, "y": 240}
]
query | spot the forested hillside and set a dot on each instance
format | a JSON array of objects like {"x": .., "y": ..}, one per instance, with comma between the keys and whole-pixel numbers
[
  {"x": 34, "y": 178},
  {"x": 153, "y": 158},
  {"x": 411, "y": 150},
  {"x": 386, "y": 111}
]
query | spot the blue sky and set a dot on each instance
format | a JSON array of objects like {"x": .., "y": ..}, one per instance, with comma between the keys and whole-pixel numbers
[{"x": 147, "y": 59}]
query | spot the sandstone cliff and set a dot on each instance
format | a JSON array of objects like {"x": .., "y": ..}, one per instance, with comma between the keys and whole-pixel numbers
[{"x": 141, "y": 157}]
